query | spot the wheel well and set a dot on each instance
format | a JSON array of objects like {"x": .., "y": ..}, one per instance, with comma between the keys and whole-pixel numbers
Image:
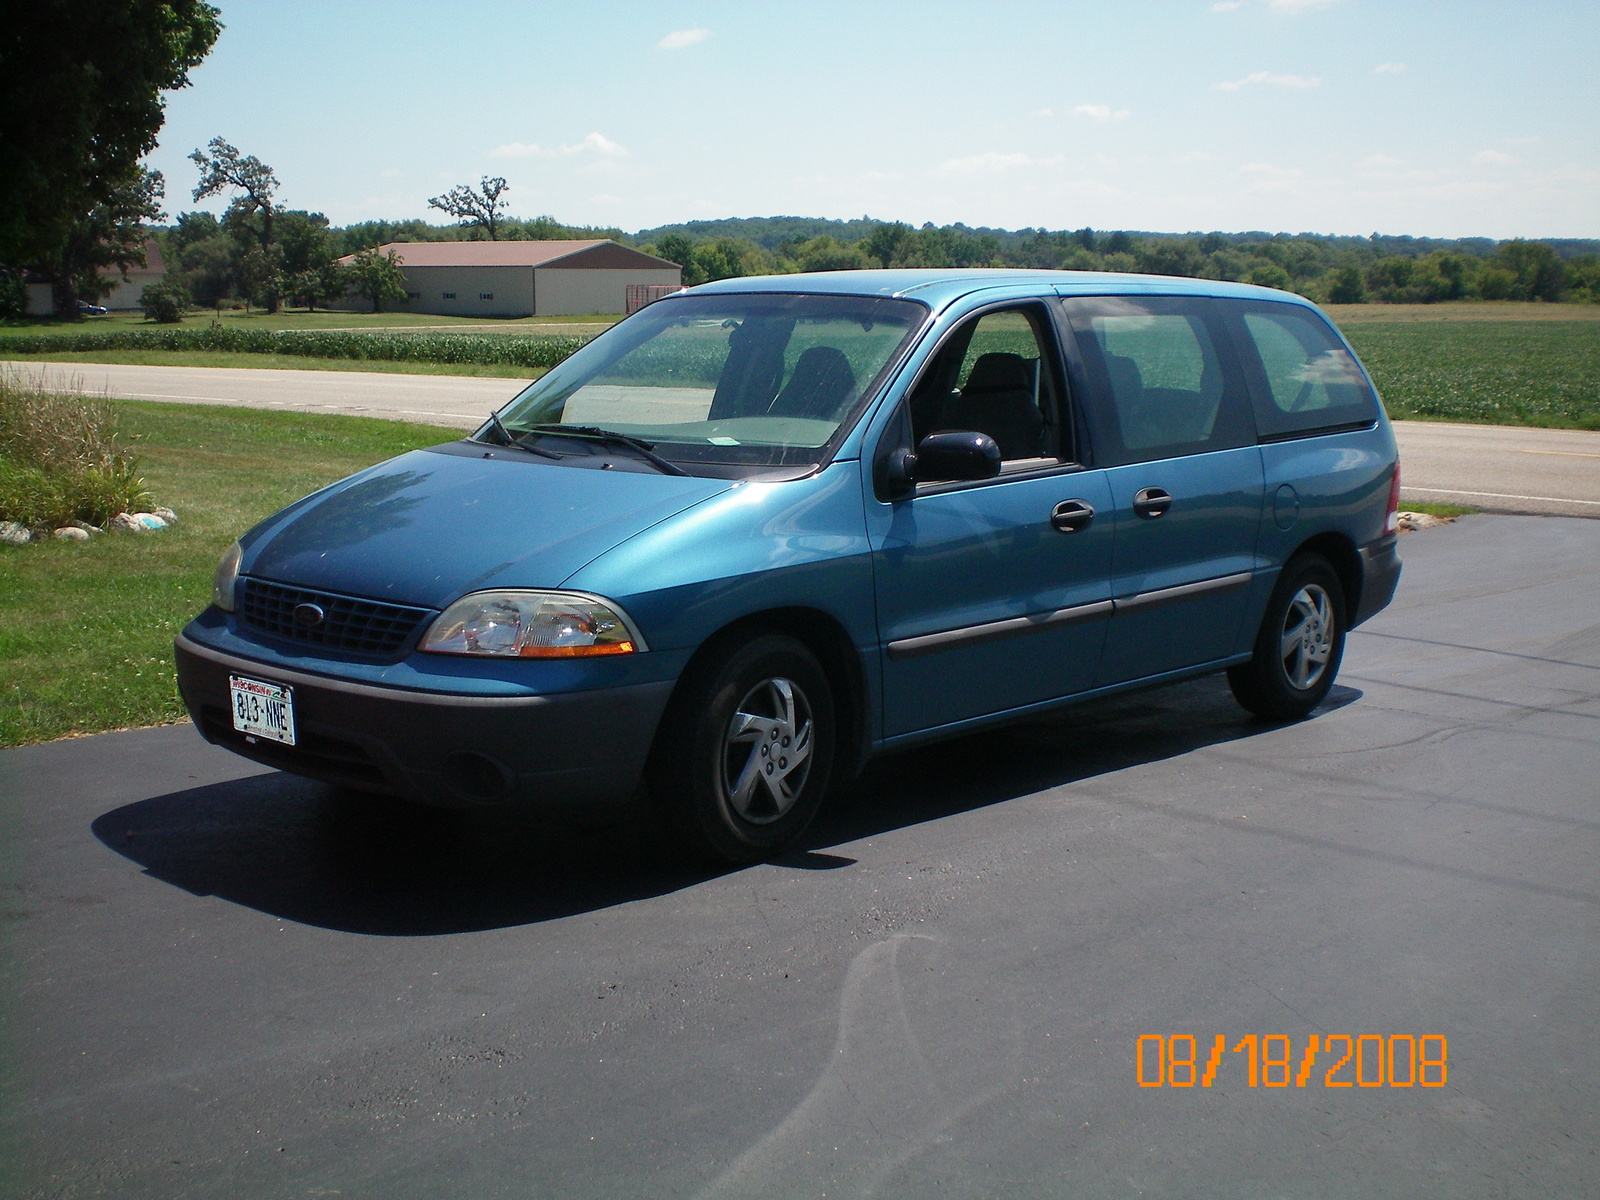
[
  {"x": 827, "y": 639},
  {"x": 1340, "y": 551}
]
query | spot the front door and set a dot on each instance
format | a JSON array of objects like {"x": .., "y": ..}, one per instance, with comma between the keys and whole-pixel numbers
[
  {"x": 1171, "y": 414},
  {"x": 992, "y": 595}
]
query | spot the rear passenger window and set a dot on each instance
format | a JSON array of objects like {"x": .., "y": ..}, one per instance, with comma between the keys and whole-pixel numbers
[
  {"x": 1157, "y": 371},
  {"x": 1306, "y": 381}
]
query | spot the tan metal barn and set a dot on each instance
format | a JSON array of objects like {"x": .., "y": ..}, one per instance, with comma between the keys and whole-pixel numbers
[{"x": 521, "y": 279}]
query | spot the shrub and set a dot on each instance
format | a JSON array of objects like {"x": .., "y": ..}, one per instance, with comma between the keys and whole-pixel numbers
[
  {"x": 509, "y": 349},
  {"x": 61, "y": 458},
  {"x": 165, "y": 302}
]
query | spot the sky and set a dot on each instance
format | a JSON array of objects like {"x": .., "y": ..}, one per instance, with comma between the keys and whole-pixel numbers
[{"x": 1437, "y": 119}]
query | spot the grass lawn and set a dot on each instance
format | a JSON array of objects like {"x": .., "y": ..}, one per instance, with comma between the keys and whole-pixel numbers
[
  {"x": 86, "y": 629},
  {"x": 300, "y": 319},
  {"x": 282, "y": 362}
]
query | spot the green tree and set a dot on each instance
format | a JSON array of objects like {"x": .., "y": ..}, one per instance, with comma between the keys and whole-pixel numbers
[
  {"x": 675, "y": 247},
  {"x": 1538, "y": 271},
  {"x": 829, "y": 254},
  {"x": 225, "y": 169},
  {"x": 475, "y": 208},
  {"x": 193, "y": 227},
  {"x": 321, "y": 284},
  {"x": 166, "y": 301},
  {"x": 884, "y": 243},
  {"x": 110, "y": 235},
  {"x": 1347, "y": 286},
  {"x": 261, "y": 277},
  {"x": 377, "y": 277},
  {"x": 209, "y": 269},
  {"x": 80, "y": 94},
  {"x": 1270, "y": 275}
]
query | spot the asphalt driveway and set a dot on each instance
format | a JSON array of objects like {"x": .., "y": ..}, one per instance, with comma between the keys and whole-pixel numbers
[{"x": 223, "y": 982}]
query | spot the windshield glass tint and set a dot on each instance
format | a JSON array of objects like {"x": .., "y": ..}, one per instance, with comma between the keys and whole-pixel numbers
[{"x": 760, "y": 379}]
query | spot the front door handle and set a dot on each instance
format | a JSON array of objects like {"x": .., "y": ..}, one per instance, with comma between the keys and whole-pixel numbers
[
  {"x": 1151, "y": 502},
  {"x": 1071, "y": 515}
]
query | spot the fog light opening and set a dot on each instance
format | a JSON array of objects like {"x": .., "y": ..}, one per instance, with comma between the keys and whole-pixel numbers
[{"x": 476, "y": 777}]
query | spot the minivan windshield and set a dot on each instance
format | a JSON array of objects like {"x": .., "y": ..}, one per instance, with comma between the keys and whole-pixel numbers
[{"x": 749, "y": 379}]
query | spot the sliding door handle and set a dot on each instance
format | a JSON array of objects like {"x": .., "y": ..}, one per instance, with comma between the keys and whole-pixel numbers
[
  {"x": 1071, "y": 515},
  {"x": 1151, "y": 502}
]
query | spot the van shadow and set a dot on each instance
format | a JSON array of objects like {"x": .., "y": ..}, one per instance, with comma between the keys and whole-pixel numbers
[{"x": 317, "y": 855}]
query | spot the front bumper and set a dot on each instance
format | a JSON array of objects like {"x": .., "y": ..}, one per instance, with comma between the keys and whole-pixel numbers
[
  {"x": 1380, "y": 575},
  {"x": 434, "y": 747}
]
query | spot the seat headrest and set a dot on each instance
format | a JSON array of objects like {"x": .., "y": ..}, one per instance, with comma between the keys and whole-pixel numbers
[
  {"x": 822, "y": 380},
  {"x": 999, "y": 372}
]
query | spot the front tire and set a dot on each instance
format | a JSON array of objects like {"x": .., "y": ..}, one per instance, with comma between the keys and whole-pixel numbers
[
  {"x": 745, "y": 753},
  {"x": 1300, "y": 645}
]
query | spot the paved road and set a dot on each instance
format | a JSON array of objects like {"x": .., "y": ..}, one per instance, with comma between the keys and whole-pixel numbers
[
  {"x": 222, "y": 982},
  {"x": 1494, "y": 468}
]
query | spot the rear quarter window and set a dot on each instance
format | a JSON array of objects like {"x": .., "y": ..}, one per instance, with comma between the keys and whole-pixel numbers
[{"x": 1303, "y": 379}]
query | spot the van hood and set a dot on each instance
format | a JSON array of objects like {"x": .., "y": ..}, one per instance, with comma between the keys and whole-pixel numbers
[{"x": 431, "y": 525}]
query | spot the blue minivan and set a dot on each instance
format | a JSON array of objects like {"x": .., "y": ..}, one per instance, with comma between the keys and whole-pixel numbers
[{"x": 767, "y": 528}]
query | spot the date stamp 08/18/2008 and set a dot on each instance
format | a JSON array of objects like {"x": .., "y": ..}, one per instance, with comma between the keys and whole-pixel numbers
[{"x": 1368, "y": 1060}]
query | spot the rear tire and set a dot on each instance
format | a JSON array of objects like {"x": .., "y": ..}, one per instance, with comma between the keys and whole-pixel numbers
[
  {"x": 1300, "y": 645},
  {"x": 745, "y": 753}
]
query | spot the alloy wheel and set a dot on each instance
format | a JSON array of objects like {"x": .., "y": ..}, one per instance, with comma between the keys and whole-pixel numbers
[{"x": 767, "y": 751}]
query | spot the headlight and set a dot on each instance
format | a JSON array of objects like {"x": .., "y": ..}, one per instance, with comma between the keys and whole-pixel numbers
[
  {"x": 532, "y": 625},
  {"x": 227, "y": 576}
]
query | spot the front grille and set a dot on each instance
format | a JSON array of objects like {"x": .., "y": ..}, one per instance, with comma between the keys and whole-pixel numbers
[{"x": 349, "y": 623}]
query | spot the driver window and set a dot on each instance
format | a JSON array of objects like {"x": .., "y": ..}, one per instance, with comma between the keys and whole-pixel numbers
[{"x": 993, "y": 376}]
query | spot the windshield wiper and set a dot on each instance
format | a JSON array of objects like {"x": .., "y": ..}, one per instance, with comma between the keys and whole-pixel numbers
[
  {"x": 510, "y": 439},
  {"x": 644, "y": 449}
]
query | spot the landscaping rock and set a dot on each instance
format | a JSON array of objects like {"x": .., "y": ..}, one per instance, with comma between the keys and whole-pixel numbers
[
  {"x": 1411, "y": 522},
  {"x": 70, "y": 533},
  {"x": 13, "y": 534},
  {"x": 166, "y": 514},
  {"x": 86, "y": 527},
  {"x": 149, "y": 521},
  {"x": 124, "y": 521}
]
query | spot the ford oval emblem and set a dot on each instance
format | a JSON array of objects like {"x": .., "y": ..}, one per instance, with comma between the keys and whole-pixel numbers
[{"x": 308, "y": 616}]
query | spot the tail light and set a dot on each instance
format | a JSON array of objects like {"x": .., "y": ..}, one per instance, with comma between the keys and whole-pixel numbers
[{"x": 1392, "y": 521}]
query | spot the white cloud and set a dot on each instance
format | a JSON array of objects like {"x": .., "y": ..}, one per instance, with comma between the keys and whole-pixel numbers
[
  {"x": 1043, "y": 112},
  {"x": 1491, "y": 158},
  {"x": 680, "y": 38},
  {"x": 1388, "y": 68},
  {"x": 992, "y": 162},
  {"x": 1294, "y": 6},
  {"x": 599, "y": 143},
  {"x": 1227, "y": 5},
  {"x": 595, "y": 143},
  {"x": 1288, "y": 81},
  {"x": 1379, "y": 162},
  {"x": 1101, "y": 112}
]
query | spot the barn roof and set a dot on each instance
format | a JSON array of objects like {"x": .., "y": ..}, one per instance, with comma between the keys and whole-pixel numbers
[{"x": 597, "y": 253}]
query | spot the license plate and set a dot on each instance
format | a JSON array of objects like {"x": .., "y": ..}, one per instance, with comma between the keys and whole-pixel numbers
[{"x": 262, "y": 710}]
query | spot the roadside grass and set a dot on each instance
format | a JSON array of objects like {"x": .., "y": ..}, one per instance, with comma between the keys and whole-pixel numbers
[
  {"x": 1542, "y": 373},
  {"x": 86, "y": 629},
  {"x": 1436, "y": 510},
  {"x": 281, "y": 362}
]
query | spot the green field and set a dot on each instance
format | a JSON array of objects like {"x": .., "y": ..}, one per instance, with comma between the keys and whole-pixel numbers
[
  {"x": 86, "y": 629},
  {"x": 1544, "y": 372}
]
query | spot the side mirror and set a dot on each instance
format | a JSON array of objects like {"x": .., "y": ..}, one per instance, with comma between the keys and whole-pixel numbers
[{"x": 956, "y": 454}]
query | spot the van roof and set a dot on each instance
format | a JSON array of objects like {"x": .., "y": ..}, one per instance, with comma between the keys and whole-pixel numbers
[{"x": 939, "y": 287}]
